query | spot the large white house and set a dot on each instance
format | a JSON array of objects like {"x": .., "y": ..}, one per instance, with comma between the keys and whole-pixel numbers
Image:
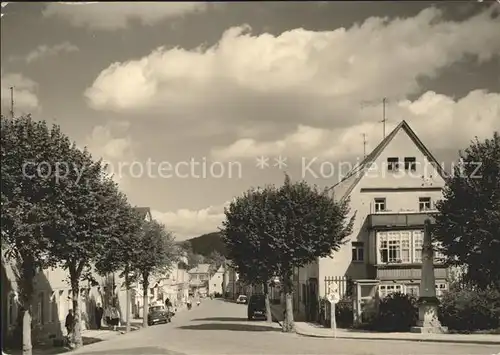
[{"x": 392, "y": 192}]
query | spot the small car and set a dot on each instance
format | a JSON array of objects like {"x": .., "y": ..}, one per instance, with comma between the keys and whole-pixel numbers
[
  {"x": 242, "y": 299},
  {"x": 158, "y": 314},
  {"x": 257, "y": 307}
]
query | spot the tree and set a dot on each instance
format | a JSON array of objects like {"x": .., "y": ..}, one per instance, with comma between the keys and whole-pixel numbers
[
  {"x": 216, "y": 260},
  {"x": 84, "y": 218},
  {"x": 296, "y": 224},
  {"x": 26, "y": 145},
  {"x": 468, "y": 224},
  {"x": 122, "y": 249},
  {"x": 158, "y": 252},
  {"x": 243, "y": 235}
]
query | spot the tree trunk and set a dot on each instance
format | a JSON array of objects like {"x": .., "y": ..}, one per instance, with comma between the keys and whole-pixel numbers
[
  {"x": 127, "y": 310},
  {"x": 145, "y": 301},
  {"x": 288, "y": 323},
  {"x": 76, "y": 340},
  {"x": 27, "y": 347},
  {"x": 269, "y": 315}
]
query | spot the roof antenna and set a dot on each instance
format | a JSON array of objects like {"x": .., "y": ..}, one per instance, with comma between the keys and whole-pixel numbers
[
  {"x": 12, "y": 102},
  {"x": 364, "y": 145},
  {"x": 384, "y": 119}
]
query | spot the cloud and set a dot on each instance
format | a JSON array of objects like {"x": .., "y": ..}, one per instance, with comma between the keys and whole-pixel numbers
[
  {"x": 267, "y": 86},
  {"x": 298, "y": 75},
  {"x": 186, "y": 223},
  {"x": 113, "y": 144},
  {"x": 25, "y": 95},
  {"x": 44, "y": 51},
  {"x": 114, "y": 16},
  {"x": 432, "y": 116}
]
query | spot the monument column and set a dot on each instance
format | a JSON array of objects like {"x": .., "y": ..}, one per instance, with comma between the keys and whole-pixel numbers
[{"x": 428, "y": 321}]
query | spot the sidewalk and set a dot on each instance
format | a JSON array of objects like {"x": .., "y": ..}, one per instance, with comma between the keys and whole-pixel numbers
[{"x": 318, "y": 331}]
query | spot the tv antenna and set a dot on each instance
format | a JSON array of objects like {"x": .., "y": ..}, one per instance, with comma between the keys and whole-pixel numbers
[
  {"x": 12, "y": 101},
  {"x": 384, "y": 110}
]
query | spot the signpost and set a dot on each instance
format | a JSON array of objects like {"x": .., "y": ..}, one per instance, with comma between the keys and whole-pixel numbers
[{"x": 333, "y": 297}]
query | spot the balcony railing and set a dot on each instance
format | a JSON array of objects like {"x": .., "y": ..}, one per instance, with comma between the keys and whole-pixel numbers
[{"x": 402, "y": 220}]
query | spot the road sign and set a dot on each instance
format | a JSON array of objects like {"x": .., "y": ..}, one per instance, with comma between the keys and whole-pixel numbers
[{"x": 333, "y": 297}]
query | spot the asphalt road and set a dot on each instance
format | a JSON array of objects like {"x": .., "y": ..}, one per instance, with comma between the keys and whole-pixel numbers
[{"x": 217, "y": 327}]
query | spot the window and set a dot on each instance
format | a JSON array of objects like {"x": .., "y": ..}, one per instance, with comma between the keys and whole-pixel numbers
[
  {"x": 418, "y": 241},
  {"x": 392, "y": 164},
  {"x": 395, "y": 247},
  {"x": 413, "y": 290},
  {"x": 358, "y": 251},
  {"x": 440, "y": 289},
  {"x": 12, "y": 310},
  {"x": 379, "y": 204},
  {"x": 410, "y": 163},
  {"x": 438, "y": 256},
  {"x": 385, "y": 290},
  {"x": 424, "y": 203},
  {"x": 39, "y": 309}
]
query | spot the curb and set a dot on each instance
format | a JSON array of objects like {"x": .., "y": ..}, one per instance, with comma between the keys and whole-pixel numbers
[{"x": 430, "y": 340}]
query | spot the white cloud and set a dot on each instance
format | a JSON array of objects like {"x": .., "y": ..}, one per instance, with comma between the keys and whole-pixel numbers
[
  {"x": 113, "y": 16},
  {"x": 43, "y": 51},
  {"x": 432, "y": 116},
  {"x": 113, "y": 145},
  {"x": 25, "y": 96},
  {"x": 320, "y": 78},
  {"x": 186, "y": 223}
]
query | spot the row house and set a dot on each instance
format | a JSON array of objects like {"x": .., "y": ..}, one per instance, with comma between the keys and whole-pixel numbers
[{"x": 393, "y": 191}]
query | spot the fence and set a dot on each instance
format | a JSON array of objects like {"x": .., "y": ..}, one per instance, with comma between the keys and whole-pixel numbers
[{"x": 344, "y": 285}]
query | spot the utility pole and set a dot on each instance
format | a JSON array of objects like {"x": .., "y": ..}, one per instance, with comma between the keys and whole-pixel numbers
[
  {"x": 364, "y": 145},
  {"x": 384, "y": 101},
  {"x": 12, "y": 102}
]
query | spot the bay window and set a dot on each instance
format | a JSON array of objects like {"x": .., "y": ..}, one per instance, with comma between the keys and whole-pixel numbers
[{"x": 395, "y": 247}]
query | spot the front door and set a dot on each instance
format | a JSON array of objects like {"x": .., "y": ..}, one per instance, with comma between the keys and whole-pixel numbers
[{"x": 312, "y": 300}]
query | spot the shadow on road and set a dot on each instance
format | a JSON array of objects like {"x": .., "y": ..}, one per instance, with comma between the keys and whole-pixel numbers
[
  {"x": 231, "y": 327},
  {"x": 220, "y": 319},
  {"x": 135, "y": 351}
]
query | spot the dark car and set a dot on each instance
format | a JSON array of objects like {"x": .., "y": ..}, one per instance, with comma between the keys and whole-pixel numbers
[
  {"x": 257, "y": 307},
  {"x": 158, "y": 314}
]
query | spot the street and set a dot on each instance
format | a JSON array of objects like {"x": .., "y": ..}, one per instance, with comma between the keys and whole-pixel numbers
[{"x": 217, "y": 327}]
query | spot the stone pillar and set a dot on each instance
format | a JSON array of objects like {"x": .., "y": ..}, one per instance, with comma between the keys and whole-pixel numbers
[{"x": 428, "y": 321}]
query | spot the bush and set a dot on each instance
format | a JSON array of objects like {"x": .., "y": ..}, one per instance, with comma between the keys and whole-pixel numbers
[
  {"x": 344, "y": 313},
  {"x": 466, "y": 310},
  {"x": 397, "y": 312}
]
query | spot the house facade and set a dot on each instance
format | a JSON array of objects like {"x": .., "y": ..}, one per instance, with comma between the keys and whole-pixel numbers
[
  {"x": 392, "y": 192},
  {"x": 216, "y": 282},
  {"x": 53, "y": 299},
  {"x": 199, "y": 277},
  {"x": 176, "y": 285},
  {"x": 231, "y": 282}
]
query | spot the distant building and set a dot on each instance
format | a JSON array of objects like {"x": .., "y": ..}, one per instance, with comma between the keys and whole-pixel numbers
[
  {"x": 199, "y": 277},
  {"x": 216, "y": 282}
]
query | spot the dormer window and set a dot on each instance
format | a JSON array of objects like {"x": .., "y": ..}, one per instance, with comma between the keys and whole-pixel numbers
[
  {"x": 392, "y": 163},
  {"x": 424, "y": 203},
  {"x": 379, "y": 204},
  {"x": 410, "y": 163}
]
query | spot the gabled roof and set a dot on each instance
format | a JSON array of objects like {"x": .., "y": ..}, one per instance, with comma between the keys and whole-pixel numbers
[
  {"x": 200, "y": 269},
  {"x": 143, "y": 212},
  {"x": 361, "y": 169}
]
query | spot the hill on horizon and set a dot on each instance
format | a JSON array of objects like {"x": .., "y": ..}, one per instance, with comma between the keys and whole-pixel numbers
[{"x": 207, "y": 243}]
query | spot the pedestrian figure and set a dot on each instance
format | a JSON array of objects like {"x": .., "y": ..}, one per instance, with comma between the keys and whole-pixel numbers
[
  {"x": 69, "y": 322},
  {"x": 99, "y": 311},
  {"x": 114, "y": 314}
]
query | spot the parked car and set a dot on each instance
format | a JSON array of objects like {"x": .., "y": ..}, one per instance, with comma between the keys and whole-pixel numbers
[
  {"x": 158, "y": 314},
  {"x": 257, "y": 307},
  {"x": 242, "y": 299}
]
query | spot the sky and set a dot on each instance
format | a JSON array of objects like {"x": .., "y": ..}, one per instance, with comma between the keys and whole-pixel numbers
[{"x": 191, "y": 104}]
